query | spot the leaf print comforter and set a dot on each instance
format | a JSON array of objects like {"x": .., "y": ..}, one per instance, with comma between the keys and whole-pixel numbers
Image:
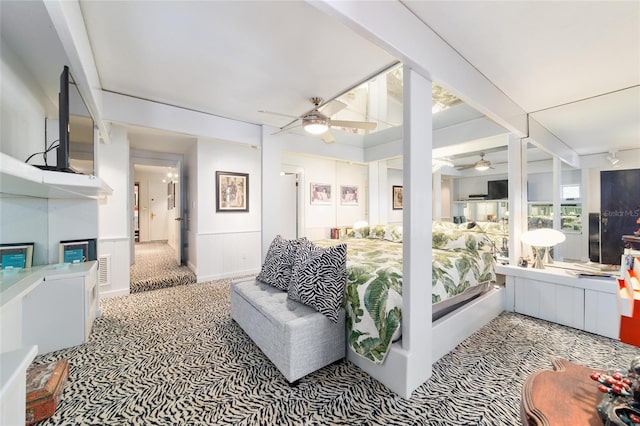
[{"x": 374, "y": 288}]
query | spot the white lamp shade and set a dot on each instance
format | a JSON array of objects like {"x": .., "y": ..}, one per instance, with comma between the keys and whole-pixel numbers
[{"x": 542, "y": 237}]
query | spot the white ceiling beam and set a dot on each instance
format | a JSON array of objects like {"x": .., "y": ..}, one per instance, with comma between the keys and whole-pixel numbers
[
  {"x": 393, "y": 27},
  {"x": 472, "y": 146},
  {"x": 547, "y": 141},
  {"x": 478, "y": 128},
  {"x": 68, "y": 22},
  {"x": 143, "y": 113}
]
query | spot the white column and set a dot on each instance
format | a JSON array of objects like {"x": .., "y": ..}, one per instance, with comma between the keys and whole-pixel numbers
[
  {"x": 584, "y": 217},
  {"x": 271, "y": 165},
  {"x": 417, "y": 246},
  {"x": 436, "y": 196},
  {"x": 557, "y": 178},
  {"x": 374, "y": 193},
  {"x": 517, "y": 167}
]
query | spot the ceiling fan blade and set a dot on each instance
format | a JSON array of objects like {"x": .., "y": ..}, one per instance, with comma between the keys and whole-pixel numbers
[
  {"x": 366, "y": 125},
  {"x": 327, "y": 137},
  {"x": 332, "y": 107},
  {"x": 277, "y": 113},
  {"x": 465, "y": 166},
  {"x": 288, "y": 127}
]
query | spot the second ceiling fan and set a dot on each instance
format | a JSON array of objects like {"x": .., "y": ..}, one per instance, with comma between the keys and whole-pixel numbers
[
  {"x": 480, "y": 165},
  {"x": 318, "y": 121}
]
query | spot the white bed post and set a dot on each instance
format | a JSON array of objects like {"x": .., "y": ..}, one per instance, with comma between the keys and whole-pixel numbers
[
  {"x": 436, "y": 196},
  {"x": 417, "y": 247},
  {"x": 374, "y": 191}
]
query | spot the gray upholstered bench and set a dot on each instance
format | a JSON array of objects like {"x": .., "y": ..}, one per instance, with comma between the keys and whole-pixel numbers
[{"x": 296, "y": 338}]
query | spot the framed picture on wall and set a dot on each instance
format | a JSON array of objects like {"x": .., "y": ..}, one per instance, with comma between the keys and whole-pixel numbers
[
  {"x": 349, "y": 195},
  {"x": 396, "y": 196},
  {"x": 16, "y": 256},
  {"x": 232, "y": 190},
  {"x": 320, "y": 193}
]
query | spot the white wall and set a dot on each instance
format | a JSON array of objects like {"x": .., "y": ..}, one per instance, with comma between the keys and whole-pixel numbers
[
  {"x": 317, "y": 220},
  {"x": 24, "y": 220},
  {"x": 227, "y": 243},
  {"x": 114, "y": 211},
  {"x": 23, "y": 109}
]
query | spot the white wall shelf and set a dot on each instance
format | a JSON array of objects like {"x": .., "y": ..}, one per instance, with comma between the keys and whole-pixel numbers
[{"x": 18, "y": 178}]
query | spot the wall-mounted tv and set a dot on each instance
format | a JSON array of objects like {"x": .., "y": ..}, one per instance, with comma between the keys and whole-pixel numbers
[
  {"x": 498, "y": 189},
  {"x": 76, "y": 143}
]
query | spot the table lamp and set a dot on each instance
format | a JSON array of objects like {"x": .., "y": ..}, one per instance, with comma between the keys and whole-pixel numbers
[{"x": 542, "y": 239}]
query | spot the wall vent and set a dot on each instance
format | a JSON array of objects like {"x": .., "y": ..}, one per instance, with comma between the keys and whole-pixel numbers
[{"x": 104, "y": 269}]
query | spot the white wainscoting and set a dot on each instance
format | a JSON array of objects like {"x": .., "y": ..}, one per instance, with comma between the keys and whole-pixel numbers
[
  {"x": 119, "y": 249},
  {"x": 226, "y": 255}
]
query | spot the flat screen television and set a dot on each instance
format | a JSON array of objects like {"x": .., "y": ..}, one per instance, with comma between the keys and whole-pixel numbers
[
  {"x": 498, "y": 189},
  {"x": 62, "y": 163},
  {"x": 75, "y": 148}
]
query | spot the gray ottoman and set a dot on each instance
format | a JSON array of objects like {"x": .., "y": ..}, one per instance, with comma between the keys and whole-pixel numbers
[{"x": 296, "y": 338}]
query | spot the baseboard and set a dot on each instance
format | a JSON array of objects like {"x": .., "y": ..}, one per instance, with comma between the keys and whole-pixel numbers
[
  {"x": 234, "y": 274},
  {"x": 115, "y": 293}
]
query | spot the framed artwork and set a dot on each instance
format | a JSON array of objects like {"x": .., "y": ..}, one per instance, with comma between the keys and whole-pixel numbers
[
  {"x": 349, "y": 195},
  {"x": 320, "y": 193},
  {"x": 232, "y": 190},
  {"x": 16, "y": 256},
  {"x": 396, "y": 196}
]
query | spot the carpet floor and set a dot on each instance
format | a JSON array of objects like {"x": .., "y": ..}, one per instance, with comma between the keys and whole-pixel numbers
[
  {"x": 156, "y": 267},
  {"x": 174, "y": 356}
]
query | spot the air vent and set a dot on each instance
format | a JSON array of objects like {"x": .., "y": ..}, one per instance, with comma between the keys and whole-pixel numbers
[{"x": 104, "y": 269}]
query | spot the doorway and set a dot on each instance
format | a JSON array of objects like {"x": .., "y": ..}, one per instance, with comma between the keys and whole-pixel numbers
[
  {"x": 157, "y": 206},
  {"x": 157, "y": 260}
]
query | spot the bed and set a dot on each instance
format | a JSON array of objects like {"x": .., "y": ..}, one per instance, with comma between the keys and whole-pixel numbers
[{"x": 463, "y": 268}]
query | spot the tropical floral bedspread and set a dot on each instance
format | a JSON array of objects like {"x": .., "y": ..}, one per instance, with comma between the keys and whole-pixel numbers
[{"x": 374, "y": 287}]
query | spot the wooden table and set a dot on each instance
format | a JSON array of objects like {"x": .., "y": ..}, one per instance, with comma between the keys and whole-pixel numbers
[{"x": 564, "y": 396}]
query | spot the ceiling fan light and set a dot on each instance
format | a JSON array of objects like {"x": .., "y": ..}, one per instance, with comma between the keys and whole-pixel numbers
[
  {"x": 482, "y": 165},
  {"x": 316, "y": 124}
]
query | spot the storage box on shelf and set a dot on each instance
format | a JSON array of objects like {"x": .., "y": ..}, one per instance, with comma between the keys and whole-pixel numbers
[{"x": 558, "y": 295}]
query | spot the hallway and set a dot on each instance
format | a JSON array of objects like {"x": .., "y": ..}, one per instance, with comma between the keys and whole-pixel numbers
[{"x": 155, "y": 267}]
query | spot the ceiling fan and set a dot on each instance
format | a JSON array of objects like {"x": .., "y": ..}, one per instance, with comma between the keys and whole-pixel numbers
[
  {"x": 480, "y": 165},
  {"x": 318, "y": 121}
]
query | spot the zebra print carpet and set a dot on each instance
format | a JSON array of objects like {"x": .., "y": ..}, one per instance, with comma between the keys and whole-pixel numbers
[
  {"x": 175, "y": 357},
  {"x": 155, "y": 267}
]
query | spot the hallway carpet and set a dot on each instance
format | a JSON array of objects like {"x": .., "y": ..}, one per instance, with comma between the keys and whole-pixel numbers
[
  {"x": 156, "y": 267},
  {"x": 175, "y": 357}
]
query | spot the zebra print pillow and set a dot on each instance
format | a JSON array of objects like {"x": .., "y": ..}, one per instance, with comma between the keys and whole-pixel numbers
[
  {"x": 276, "y": 269},
  {"x": 319, "y": 278}
]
